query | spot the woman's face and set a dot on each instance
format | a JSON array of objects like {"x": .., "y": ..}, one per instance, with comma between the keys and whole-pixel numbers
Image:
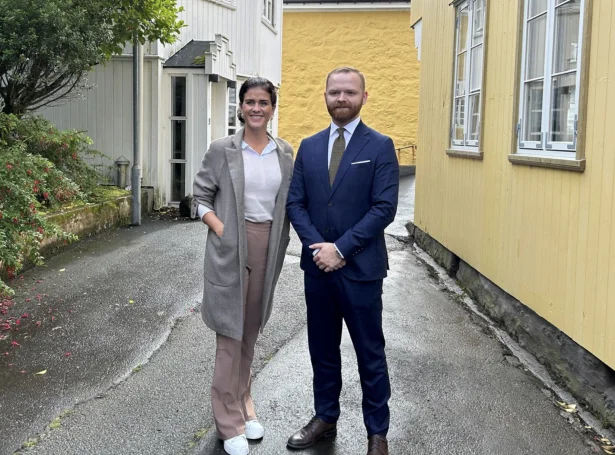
[{"x": 257, "y": 109}]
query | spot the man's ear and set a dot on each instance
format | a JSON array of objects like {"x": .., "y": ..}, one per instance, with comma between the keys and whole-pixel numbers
[{"x": 365, "y": 97}]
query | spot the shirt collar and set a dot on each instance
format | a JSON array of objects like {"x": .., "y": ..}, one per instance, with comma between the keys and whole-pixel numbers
[
  {"x": 271, "y": 147},
  {"x": 350, "y": 127}
]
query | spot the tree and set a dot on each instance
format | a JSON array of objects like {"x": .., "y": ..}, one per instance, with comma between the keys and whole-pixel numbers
[{"x": 47, "y": 47}]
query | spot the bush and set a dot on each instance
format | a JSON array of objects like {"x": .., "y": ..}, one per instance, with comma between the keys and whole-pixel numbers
[
  {"x": 69, "y": 150},
  {"x": 41, "y": 168}
]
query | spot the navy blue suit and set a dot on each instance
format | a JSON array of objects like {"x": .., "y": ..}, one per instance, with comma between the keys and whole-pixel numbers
[{"x": 352, "y": 213}]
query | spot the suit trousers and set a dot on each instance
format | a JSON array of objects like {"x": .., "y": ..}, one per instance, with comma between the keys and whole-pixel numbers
[
  {"x": 230, "y": 391},
  {"x": 332, "y": 298}
]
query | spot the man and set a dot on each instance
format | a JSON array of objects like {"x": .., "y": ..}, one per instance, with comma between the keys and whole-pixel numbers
[{"x": 342, "y": 196}]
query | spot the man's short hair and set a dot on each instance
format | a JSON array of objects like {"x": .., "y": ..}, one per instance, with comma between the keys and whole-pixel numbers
[{"x": 347, "y": 69}]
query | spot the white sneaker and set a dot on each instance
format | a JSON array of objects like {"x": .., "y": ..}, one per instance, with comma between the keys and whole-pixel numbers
[
  {"x": 254, "y": 430},
  {"x": 237, "y": 445}
]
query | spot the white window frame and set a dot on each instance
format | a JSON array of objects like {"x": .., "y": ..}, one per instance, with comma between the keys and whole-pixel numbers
[
  {"x": 180, "y": 118},
  {"x": 269, "y": 11},
  {"x": 546, "y": 147},
  {"x": 232, "y": 129},
  {"x": 472, "y": 6}
]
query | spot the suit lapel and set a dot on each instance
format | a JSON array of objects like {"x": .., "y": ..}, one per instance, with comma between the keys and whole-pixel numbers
[
  {"x": 321, "y": 154},
  {"x": 359, "y": 140},
  {"x": 234, "y": 158}
]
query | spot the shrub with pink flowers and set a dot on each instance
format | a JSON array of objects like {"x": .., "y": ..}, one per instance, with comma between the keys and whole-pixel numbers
[{"x": 41, "y": 168}]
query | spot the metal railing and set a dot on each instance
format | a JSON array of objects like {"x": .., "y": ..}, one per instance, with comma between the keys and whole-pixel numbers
[{"x": 413, "y": 148}]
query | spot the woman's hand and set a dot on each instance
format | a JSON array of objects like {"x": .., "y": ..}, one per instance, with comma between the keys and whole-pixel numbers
[{"x": 214, "y": 223}]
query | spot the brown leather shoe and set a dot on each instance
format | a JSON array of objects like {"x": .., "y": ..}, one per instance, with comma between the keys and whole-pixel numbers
[
  {"x": 377, "y": 445},
  {"x": 310, "y": 434}
]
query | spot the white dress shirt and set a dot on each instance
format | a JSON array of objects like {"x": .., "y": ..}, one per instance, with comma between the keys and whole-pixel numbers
[
  {"x": 263, "y": 177},
  {"x": 348, "y": 132}
]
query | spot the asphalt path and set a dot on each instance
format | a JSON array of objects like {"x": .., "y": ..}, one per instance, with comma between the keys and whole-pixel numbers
[{"x": 128, "y": 362}]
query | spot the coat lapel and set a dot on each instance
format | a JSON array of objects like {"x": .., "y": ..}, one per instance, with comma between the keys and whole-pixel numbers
[
  {"x": 234, "y": 158},
  {"x": 286, "y": 164},
  {"x": 359, "y": 140}
]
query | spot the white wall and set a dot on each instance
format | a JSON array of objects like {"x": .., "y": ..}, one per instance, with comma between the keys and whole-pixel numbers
[{"x": 104, "y": 112}]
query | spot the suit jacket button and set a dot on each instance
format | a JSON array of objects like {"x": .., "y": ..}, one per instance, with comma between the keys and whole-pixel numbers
[
  {"x": 330, "y": 204},
  {"x": 326, "y": 229}
]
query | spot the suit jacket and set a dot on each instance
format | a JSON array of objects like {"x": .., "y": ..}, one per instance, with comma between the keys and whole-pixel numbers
[
  {"x": 355, "y": 210},
  {"x": 219, "y": 185}
]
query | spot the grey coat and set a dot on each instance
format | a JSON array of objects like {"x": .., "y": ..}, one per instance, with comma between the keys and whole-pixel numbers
[{"x": 219, "y": 185}]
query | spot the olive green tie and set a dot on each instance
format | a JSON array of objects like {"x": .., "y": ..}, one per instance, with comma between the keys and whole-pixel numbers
[{"x": 339, "y": 145}]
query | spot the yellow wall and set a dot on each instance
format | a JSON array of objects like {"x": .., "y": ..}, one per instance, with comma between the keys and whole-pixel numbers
[
  {"x": 380, "y": 44},
  {"x": 545, "y": 236}
]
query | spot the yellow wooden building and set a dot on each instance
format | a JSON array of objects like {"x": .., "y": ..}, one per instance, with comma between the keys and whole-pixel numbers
[
  {"x": 516, "y": 153},
  {"x": 373, "y": 36}
]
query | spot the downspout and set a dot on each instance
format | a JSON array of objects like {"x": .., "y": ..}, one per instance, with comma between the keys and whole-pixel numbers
[{"x": 137, "y": 103}]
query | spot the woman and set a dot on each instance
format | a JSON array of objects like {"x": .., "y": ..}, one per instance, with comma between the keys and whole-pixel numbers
[{"x": 241, "y": 189}]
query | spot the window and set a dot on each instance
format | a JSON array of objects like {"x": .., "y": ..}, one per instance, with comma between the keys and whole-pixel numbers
[
  {"x": 232, "y": 108},
  {"x": 268, "y": 10},
  {"x": 178, "y": 138},
  {"x": 549, "y": 104},
  {"x": 469, "y": 51}
]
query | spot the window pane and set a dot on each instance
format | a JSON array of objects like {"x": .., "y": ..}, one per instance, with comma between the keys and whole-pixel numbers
[
  {"x": 478, "y": 23},
  {"x": 537, "y": 7},
  {"x": 474, "y": 112},
  {"x": 476, "y": 74},
  {"x": 563, "y": 108},
  {"x": 232, "y": 115},
  {"x": 533, "y": 111},
  {"x": 535, "y": 52},
  {"x": 178, "y": 90},
  {"x": 459, "y": 119},
  {"x": 232, "y": 106},
  {"x": 566, "y": 47},
  {"x": 460, "y": 81},
  {"x": 178, "y": 181},
  {"x": 462, "y": 35},
  {"x": 178, "y": 139}
]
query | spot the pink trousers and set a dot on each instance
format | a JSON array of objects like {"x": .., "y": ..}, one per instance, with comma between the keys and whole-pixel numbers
[{"x": 230, "y": 391}]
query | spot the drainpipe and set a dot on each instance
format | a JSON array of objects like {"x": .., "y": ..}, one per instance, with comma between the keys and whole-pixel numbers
[{"x": 137, "y": 103}]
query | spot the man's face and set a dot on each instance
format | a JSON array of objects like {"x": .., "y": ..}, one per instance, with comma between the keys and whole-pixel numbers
[{"x": 344, "y": 97}]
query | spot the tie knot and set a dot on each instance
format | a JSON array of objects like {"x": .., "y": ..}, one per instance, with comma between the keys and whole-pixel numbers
[{"x": 340, "y": 131}]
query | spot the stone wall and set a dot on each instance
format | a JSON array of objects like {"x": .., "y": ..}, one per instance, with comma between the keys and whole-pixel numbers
[
  {"x": 380, "y": 44},
  {"x": 89, "y": 219}
]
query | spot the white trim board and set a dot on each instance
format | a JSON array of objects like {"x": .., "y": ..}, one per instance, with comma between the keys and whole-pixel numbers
[{"x": 314, "y": 7}]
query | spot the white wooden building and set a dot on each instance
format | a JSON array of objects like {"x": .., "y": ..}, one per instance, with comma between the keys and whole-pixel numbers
[{"x": 185, "y": 105}]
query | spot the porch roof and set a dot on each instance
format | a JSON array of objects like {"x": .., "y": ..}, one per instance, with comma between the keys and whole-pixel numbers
[{"x": 185, "y": 57}]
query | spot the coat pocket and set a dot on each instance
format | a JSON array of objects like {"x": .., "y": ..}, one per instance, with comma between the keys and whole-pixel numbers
[{"x": 221, "y": 261}]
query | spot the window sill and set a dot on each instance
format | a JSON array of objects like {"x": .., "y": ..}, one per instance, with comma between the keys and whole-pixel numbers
[
  {"x": 269, "y": 25},
  {"x": 224, "y": 4},
  {"x": 566, "y": 164},
  {"x": 471, "y": 154}
]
